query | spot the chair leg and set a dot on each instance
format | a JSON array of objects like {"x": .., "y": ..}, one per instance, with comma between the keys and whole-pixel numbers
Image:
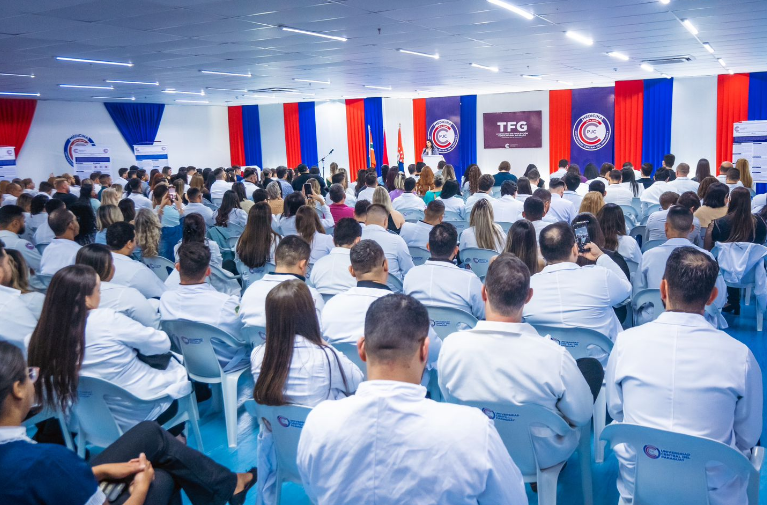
[
  {"x": 600, "y": 417},
  {"x": 747, "y": 298},
  {"x": 547, "y": 484},
  {"x": 81, "y": 444},
  {"x": 759, "y": 319},
  {"x": 584, "y": 457},
  {"x": 190, "y": 406},
  {"x": 229, "y": 391},
  {"x": 65, "y": 431},
  {"x": 216, "y": 400},
  {"x": 278, "y": 489}
]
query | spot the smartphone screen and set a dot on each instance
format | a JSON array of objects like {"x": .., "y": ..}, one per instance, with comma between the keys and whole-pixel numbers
[
  {"x": 581, "y": 235},
  {"x": 308, "y": 189},
  {"x": 172, "y": 194}
]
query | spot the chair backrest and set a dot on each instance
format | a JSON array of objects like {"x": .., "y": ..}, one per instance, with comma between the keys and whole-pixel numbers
[
  {"x": 223, "y": 281},
  {"x": 196, "y": 343},
  {"x": 630, "y": 212},
  {"x": 394, "y": 283},
  {"x": 477, "y": 260},
  {"x": 220, "y": 236},
  {"x": 447, "y": 320},
  {"x": 451, "y": 215},
  {"x": 209, "y": 205},
  {"x": 350, "y": 351},
  {"x": 256, "y": 335},
  {"x": 648, "y": 296},
  {"x": 40, "y": 282},
  {"x": 650, "y": 244},
  {"x": 162, "y": 267},
  {"x": 495, "y": 191},
  {"x": 633, "y": 265},
  {"x": 251, "y": 275},
  {"x": 652, "y": 208},
  {"x": 412, "y": 215},
  {"x": 459, "y": 224},
  {"x": 93, "y": 414},
  {"x": 671, "y": 467},
  {"x": 41, "y": 248},
  {"x": 576, "y": 340},
  {"x": 327, "y": 296},
  {"x": 419, "y": 255},
  {"x": 636, "y": 202},
  {"x": 638, "y": 232},
  {"x": 505, "y": 226}
]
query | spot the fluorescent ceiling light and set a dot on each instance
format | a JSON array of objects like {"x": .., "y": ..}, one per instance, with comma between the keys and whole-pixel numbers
[
  {"x": 690, "y": 27},
  {"x": 314, "y": 34},
  {"x": 192, "y": 101},
  {"x": 177, "y": 92},
  {"x": 535, "y": 77},
  {"x": 647, "y": 67},
  {"x": 98, "y": 62},
  {"x": 484, "y": 67},
  {"x": 665, "y": 75},
  {"x": 434, "y": 56},
  {"x": 721, "y": 62},
  {"x": 312, "y": 80},
  {"x": 512, "y": 8},
  {"x": 17, "y": 75},
  {"x": 116, "y": 97},
  {"x": 731, "y": 73},
  {"x": 233, "y": 74},
  {"x": 227, "y": 89},
  {"x": 618, "y": 56},
  {"x": 566, "y": 83},
  {"x": 84, "y": 86},
  {"x": 140, "y": 83},
  {"x": 665, "y": 2},
  {"x": 307, "y": 94},
  {"x": 587, "y": 41},
  {"x": 387, "y": 88},
  {"x": 708, "y": 47},
  {"x": 14, "y": 93}
]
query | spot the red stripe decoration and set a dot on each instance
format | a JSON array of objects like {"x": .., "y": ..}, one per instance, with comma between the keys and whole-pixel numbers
[
  {"x": 292, "y": 134},
  {"x": 731, "y": 107},
  {"x": 236, "y": 139},
  {"x": 629, "y": 115},
  {"x": 356, "y": 135},
  {"x": 560, "y": 121},
  {"x": 15, "y": 120},
  {"x": 419, "y": 127}
]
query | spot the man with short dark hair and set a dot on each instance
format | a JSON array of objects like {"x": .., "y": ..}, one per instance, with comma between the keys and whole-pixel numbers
[
  {"x": 733, "y": 179},
  {"x": 562, "y": 167},
  {"x": 572, "y": 183},
  {"x": 44, "y": 234},
  {"x": 282, "y": 178},
  {"x": 219, "y": 186},
  {"x": 486, "y": 182},
  {"x": 330, "y": 274},
  {"x": 559, "y": 208},
  {"x": 678, "y": 373},
  {"x": 507, "y": 209},
  {"x": 12, "y": 226},
  {"x": 439, "y": 282},
  {"x": 121, "y": 239},
  {"x": 361, "y": 212},
  {"x": 250, "y": 181},
  {"x": 668, "y": 161},
  {"x": 406, "y": 448},
  {"x": 616, "y": 192},
  {"x": 371, "y": 183},
  {"x": 598, "y": 186},
  {"x": 504, "y": 174},
  {"x": 604, "y": 173},
  {"x": 195, "y": 206},
  {"x": 656, "y": 222},
  {"x": 651, "y": 195},
  {"x": 62, "y": 250},
  {"x": 338, "y": 207},
  {"x": 683, "y": 183},
  {"x": 408, "y": 199},
  {"x": 417, "y": 234},
  {"x": 105, "y": 181},
  {"x": 393, "y": 245},
  {"x": 646, "y": 180},
  {"x": 534, "y": 209},
  {"x": 303, "y": 178},
  {"x": 544, "y": 195},
  {"x": 122, "y": 177}
]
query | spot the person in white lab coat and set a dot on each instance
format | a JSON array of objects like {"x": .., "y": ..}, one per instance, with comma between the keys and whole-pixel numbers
[
  {"x": 371, "y": 183},
  {"x": 230, "y": 214},
  {"x": 12, "y": 226},
  {"x": 296, "y": 200},
  {"x": 678, "y": 373},
  {"x": 122, "y": 299},
  {"x": 17, "y": 322},
  {"x": 75, "y": 337},
  {"x": 483, "y": 232},
  {"x": 534, "y": 210},
  {"x": 651, "y": 195},
  {"x": 62, "y": 250},
  {"x": 451, "y": 197},
  {"x": 331, "y": 274},
  {"x": 195, "y": 206},
  {"x": 503, "y": 360},
  {"x": 128, "y": 272},
  {"x": 294, "y": 366},
  {"x": 291, "y": 262},
  {"x": 395, "y": 248},
  {"x": 573, "y": 190},
  {"x": 407, "y": 200},
  {"x": 568, "y": 295},
  {"x": 417, "y": 234},
  {"x": 616, "y": 192},
  {"x": 219, "y": 186},
  {"x": 193, "y": 229},
  {"x": 134, "y": 192},
  {"x": 349, "y": 441},
  {"x": 439, "y": 282},
  {"x": 485, "y": 188},
  {"x": 250, "y": 181},
  {"x": 613, "y": 224},
  {"x": 683, "y": 183},
  {"x": 559, "y": 208},
  {"x": 309, "y": 228},
  {"x": 655, "y": 228},
  {"x": 507, "y": 209},
  {"x": 561, "y": 172}
]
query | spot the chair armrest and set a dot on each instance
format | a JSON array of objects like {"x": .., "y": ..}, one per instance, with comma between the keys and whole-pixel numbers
[{"x": 757, "y": 457}]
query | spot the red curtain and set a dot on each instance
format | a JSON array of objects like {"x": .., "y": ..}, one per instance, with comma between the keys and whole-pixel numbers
[
  {"x": 236, "y": 140},
  {"x": 560, "y": 122},
  {"x": 419, "y": 126},
  {"x": 356, "y": 135},
  {"x": 15, "y": 120},
  {"x": 629, "y": 114},
  {"x": 292, "y": 135},
  {"x": 731, "y": 107}
]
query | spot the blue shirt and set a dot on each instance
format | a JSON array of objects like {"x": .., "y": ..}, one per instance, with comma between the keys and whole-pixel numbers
[{"x": 502, "y": 177}]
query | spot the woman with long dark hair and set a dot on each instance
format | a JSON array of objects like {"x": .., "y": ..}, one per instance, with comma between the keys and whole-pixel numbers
[
  {"x": 287, "y": 220},
  {"x": 259, "y": 241},
  {"x": 523, "y": 243},
  {"x": 702, "y": 171},
  {"x": 590, "y": 171},
  {"x": 524, "y": 189},
  {"x": 714, "y": 202},
  {"x": 83, "y": 211},
  {"x": 230, "y": 212},
  {"x": 630, "y": 183},
  {"x": 194, "y": 230},
  {"x": 613, "y": 224},
  {"x": 87, "y": 195},
  {"x": 20, "y": 281},
  {"x": 360, "y": 185},
  {"x": 242, "y": 196},
  {"x": 310, "y": 229},
  {"x": 451, "y": 197}
]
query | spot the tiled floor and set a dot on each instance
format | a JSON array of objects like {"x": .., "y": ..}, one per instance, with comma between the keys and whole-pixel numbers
[{"x": 742, "y": 327}]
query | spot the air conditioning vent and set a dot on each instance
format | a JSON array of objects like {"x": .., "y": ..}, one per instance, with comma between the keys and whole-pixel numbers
[{"x": 670, "y": 60}]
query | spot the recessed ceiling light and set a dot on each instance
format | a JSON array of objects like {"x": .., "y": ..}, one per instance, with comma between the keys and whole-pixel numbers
[
  {"x": 140, "y": 83},
  {"x": 587, "y": 41},
  {"x": 534, "y": 77},
  {"x": 131, "y": 98},
  {"x": 17, "y": 75},
  {"x": 15, "y": 93},
  {"x": 665, "y": 75},
  {"x": 618, "y": 56},
  {"x": 98, "y": 62},
  {"x": 665, "y": 2},
  {"x": 484, "y": 67},
  {"x": 177, "y": 92},
  {"x": 387, "y": 88},
  {"x": 647, "y": 67},
  {"x": 314, "y": 34},
  {"x": 233, "y": 74},
  {"x": 512, "y": 8},
  {"x": 708, "y": 47},
  {"x": 311, "y": 80},
  {"x": 434, "y": 56},
  {"x": 307, "y": 94},
  {"x": 731, "y": 72},
  {"x": 721, "y": 62},
  {"x": 192, "y": 101},
  {"x": 566, "y": 83},
  {"x": 84, "y": 86},
  {"x": 690, "y": 27}
]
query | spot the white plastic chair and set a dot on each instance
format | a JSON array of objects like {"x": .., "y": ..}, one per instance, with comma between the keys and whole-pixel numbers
[
  {"x": 637, "y": 232},
  {"x": 255, "y": 335},
  {"x": 637, "y": 204},
  {"x": 251, "y": 275},
  {"x": 194, "y": 340},
  {"x": 630, "y": 214},
  {"x": 162, "y": 267},
  {"x": 419, "y": 255},
  {"x": 412, "y": 215},
  {"x": 327, "y": 296},
  {"x": 671, "y": 467},
  {"x": 746, "y": 285},
  {"x": 41, "y": 248},
  {"x": 350, "y": 351},
  {"x": 451, "y": 215},
  {"x": 224, "y": 281},
  {"x": 46, "y": 414},
  {"x": 477, "y": 260},
  {"x": 97, "y": 426},
  {"x": 459, "y": 225},
  {"x": 394, "y": 283},
  {"x": 649, "y": 210},
  {"x": 40, "y": 282},
  {"x": 505, "y": 226},
  {"x": 447, "y": 320},
  {"x": 650, "y": 244},
  {"x": 644, "y": 297},
  {"x": 285, "y": 423}
]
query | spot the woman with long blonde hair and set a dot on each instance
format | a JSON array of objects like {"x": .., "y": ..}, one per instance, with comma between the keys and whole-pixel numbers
[
  {"x": 396, "y": 219},
  {"x": 310, "y": 228},
  {"x": 483, "y": 232},
  {"x": 425, "y": 182},
  {"x": 448, "y": 173},
  {"x": 399, "y": 185},
  {"x": 106, "y": 216},
  {"x": 148, "y": 232},
  {"x": 745, "y": 173},
  {"x": 110, "y": 197},
  {"x": 592, "y": 203}
]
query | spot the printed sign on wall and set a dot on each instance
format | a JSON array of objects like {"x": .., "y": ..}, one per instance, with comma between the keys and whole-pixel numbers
[{"x": 513, "y": 130}]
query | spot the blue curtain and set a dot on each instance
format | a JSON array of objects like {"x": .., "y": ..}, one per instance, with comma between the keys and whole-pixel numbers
[
  {"x": 251, "y": 135},
  {"x": 374, "y": 119},
  {"x": 468, "y": 137},
  {"x": 757, "y": 96},
  {"x": 138, "y": 122},
  {"x": 656, "y": 129},
  {"x": 307, "y": 126}
]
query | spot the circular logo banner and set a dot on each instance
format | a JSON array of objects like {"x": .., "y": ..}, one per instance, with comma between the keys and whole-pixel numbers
[
  {"x": 444, "y": 135},
  {"x": 78, "y": 139},
  {"x": 591, "y": 131},
  {"x": 651, "y": 452}
]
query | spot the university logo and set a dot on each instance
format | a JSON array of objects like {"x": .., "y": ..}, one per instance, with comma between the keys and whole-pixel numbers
[
  {"x": 489, "y": 413},
  {"x": 284, "y": 421},
  {"x": 444, "y": 135},
  {"x": 652, "y": 452},
  {"x": 591, "y": 131},
  {"x": 75, "y": 140},
  {"x": 9, "y": 152}
]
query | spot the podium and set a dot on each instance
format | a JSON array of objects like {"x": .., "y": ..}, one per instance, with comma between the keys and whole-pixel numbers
[{"x": 433, "y": 160}]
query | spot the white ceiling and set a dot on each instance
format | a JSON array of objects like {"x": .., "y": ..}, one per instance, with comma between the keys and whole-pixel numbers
[{"x": 170, "y": 41}]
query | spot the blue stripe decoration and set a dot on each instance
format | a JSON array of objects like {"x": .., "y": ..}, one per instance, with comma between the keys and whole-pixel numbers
[
  {"x": 467, "y": 142},
  {"x": 656, "y": 128},
  {"x": 307, "y": 126},
  {"x": 251, "y": 135},
  {"x": 757, "y": 96},
  {"x": 374, "y": 119},
  {"x": 140, "y": 157},
  {"x": 7, "y": 163},
  {"x": 138, "y": 122}
]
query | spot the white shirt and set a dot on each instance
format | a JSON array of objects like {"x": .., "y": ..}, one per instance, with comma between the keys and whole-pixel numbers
[
  {"x": 34, "y": 301},
  {"x": 618, "y": 195},
  {"x": 567, "y": 295},
  {"x": 253, "y": 303},
  {"x": 629, "y": 249},
  {"x": 16, "y": 320},
  {"x": 416, "y": 234},
  {"x": 140, "y": 201},
  {"x": 343, "y": 317},
  {"x": 656, "y": 227},
  {"x": 758, "y": 202},
  {"x": 321, "y": 246},
  {"x": 652, "y": 194},
  {"x": 538, "y": 226},
  {"x": 215, "y": 252},
  {"x": 205, "y": 212},
  {"x": 43, "y": 234},
  {"x": 405, "y": 201},
  {"x": 391, "y": 441},
  {"x": 454, "y": 204},
  {"x": 507, "y": 209},
  {"x": 680, "y": 374},
  {"x": 122, "y": 182},
  {"x": 238, "y": 217},
  {"x": 27, "y": 250},
  {"x": 627, "y": 187},
  {"x": 366, "y": 194},
  {"x": 250, "y": 188},
  {"x": 60, "y": 253},
  {"x": 394, "y": 248},
  {"x": 512, "y": 363},
  {"x": 574, "y": 198},
  {"x": 130, "y": 302},
  {"x": 288, "y": 224},
  {"x": 473, "y": 199},
  {"x": 559, "y": 174},
  {"x": 469, "y": 239},
  {"x": 218, "y": 188},
  {"x": 561, "y": 209},
  {"x": 135, "y": 274},
  {"x": 330, "y": 275},
  {"x": 734, "y": 185},
  {"x": 684, "y": 184},
  {"x": 442, "y": 284},
  {"x": 9, "y": 199}
]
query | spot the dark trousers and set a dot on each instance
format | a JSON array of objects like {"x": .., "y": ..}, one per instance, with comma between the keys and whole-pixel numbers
[
  {"x": 175, "y": 465},
  {"x": 733, "y": 296},
  {"x": 593, "y": 372}
]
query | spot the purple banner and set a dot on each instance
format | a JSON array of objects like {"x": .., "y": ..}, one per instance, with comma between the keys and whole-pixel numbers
[
  {"x": 511, "y": 130},
  {"x": 592, "y": 136},
  {"x": 443, "y": 127}
]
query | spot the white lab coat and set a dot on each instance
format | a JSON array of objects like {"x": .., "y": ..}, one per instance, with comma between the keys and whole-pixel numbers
[
  {"x": 627, "y": 187},
  {"x": 656, "y": 227},
  {"x": 473, "y": 199},
  {"x": 443, "y": 284},
  {"x": 405, "y": 201},
  {"x": 330, "y": 275},
  {"x": 512, "y": 363},
  {"x": 395, "y": 249},
  {"x": 651, "y": 195},
  {"x": 218, "y": 188},
  {"x": 130, "y": 302},
  {"x": 140, "y": 201},
  {"x": 60, "y": 253},
  {"x": 321, "y": 246},
  {"x": 507, "y": 209},
  {"x": 416, "y": 234},
  {"x": 288, "y": 224},
  {"x": 206, "y": 212},
  {"x": 737, "y": 258},
  {"x": 33, "y": 221},
  {"x": 34, "y": 301},
  {"x": 680, "y": 374},
  {"x": 111, "y": 343},
  {"x": 367, "y": 194},
  {"x": 469, "y": 239},
  {"x": 253, "y": 303},
  {"x": 43, "y": 234},
  {"x": 629, "y": 249},
  {"x": 238, "y": 217},
  {"x": 137, "y": 275},
  {"x": 27, "y": 250},
  {"x": 684, "y": 184},
  {"x": 561, "y": 209},
  {"x": 250, "y": 188},
  {"x": 215, "y": 252},
  {"x": 454, "y": 204},
  {"x": 391, "y": 442},
  {"x": 575, "y": 198},
  {"x": 17, "y": 322},
  {"x": 618, "y": 195}
]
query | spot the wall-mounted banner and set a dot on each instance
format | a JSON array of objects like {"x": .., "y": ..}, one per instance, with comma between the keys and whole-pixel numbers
[
  {"x": 7, "y": 163},
  {"x": 593, "y": 116},
  {"x": 443, "y": 127},
  {"x": 89, "y": 159},
  {"x": 512, "y": 130},
  {"x": 750, "y": 142},
  {"x": 149, "y": 157},
  {"x": 78, "y": 139}
]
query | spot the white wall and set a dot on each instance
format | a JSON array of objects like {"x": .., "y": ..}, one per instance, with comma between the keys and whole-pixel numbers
[
  {"x": 396, "y": 112},
  {"x": 488, "y": 159},
  {"x": 194, "y": 135},
  {"x": 330, "y": 120},
  {"x": 272, "y": 120},
  {"x": 693, "y": 120}
]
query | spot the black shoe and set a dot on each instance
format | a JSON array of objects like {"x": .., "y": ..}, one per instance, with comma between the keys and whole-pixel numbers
[
  {"x": 239, "y": 498},
  {"x": 730, "y": 308}
]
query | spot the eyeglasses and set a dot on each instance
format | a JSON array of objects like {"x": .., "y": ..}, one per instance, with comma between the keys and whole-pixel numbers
[{"x": 34, "y": 373}]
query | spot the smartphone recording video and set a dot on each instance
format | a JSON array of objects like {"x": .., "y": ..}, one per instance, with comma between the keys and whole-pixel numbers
[
  {"x": 581, "y": 235},
  {"x": 308, "y": 190}
]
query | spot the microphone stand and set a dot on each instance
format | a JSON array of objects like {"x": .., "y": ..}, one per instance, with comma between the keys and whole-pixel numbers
[{"x": 323, "y": 162}]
